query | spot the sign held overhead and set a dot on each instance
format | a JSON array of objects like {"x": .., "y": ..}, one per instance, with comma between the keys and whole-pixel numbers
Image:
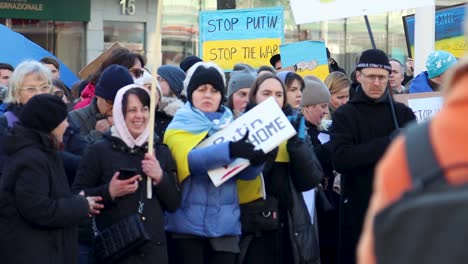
[{"x": 309, "y": 11}]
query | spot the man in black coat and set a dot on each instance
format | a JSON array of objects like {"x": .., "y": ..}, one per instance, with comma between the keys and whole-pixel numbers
[{"x": 361, "y": 132}]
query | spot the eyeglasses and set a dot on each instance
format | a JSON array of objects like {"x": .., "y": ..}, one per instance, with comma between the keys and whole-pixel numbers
[
  {"x": 372, "y": 77},
  {"x": 136, "y": 72},
  {"x": 34, "y": 90},
  {"x": 58, "y": 93}
]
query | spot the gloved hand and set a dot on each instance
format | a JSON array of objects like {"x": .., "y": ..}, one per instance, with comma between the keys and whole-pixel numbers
[
  {"x": 246, "y": 150},
  {"x": 298, "y": 122}
]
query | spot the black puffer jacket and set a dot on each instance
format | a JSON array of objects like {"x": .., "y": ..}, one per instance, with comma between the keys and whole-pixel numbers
[
  {"x": 360, "y": 134},
  {"x": 38, "y": 213},
  {"x": 98, "y": 165},
  {"x": 296, "y": 241}
]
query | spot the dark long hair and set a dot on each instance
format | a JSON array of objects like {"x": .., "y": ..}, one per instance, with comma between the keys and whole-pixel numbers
[
  {"x": 291, "y": 77},
  {"x": 120, "y": 56},
  {"x": 142, "y": 95},
  {"x": 260, "y": 79}
]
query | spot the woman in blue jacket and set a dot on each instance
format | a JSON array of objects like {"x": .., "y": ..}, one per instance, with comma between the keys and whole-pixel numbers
[{"x": 207, "y": 227}]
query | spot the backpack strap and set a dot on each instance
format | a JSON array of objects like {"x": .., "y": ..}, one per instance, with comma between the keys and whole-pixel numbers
[
  {"x": 423, "y": 165},
  {"x": 11, "y": 118}
]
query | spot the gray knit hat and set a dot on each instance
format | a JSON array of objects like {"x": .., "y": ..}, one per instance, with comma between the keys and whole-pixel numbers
[
  {"x": 242, "y": 76},
  {"x": 315, "y": 92}
]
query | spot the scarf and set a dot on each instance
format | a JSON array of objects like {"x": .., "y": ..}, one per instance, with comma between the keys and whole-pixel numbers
[
  {"x": 120, "y": 129},
  {"x": 188, "y": 128}
]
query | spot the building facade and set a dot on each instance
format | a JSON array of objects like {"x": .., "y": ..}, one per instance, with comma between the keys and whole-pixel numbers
[
  {"x": 345, "y": 38},
  {"x": 77, "y": 31}
]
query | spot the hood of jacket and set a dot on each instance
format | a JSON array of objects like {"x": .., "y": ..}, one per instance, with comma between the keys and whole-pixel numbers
[
  {"x": 22, "y": 137},
  {"x": 170, "y": 105},
  {"x": 422, "y": 84}
]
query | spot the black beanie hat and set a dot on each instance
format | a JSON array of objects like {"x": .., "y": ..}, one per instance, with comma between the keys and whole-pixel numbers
[
  {"x": 374, "y": 58},
  {"x": 189, "y": 62},
  {"x": 43, "y": 112},
  {"x": 205, "y": 74},
  {"x": 111, "y": 80}
]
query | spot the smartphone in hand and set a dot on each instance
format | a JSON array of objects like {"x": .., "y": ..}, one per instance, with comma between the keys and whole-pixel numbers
[{"x": 127, "y": 173}]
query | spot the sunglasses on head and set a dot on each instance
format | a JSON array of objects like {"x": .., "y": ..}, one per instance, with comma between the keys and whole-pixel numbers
[{"x": 137, "y": 73}]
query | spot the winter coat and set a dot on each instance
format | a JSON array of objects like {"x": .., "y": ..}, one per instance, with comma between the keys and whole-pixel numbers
[
  {"x": 327, "y": 199},
  {"x": 5, "y": 128},
  {"x": 293, "y": 170},
  {"x": 168, "y": 108},
  {"x": 449, "y": 142},
  {"x": 422, "y": 84},
  {"x": 85, "y": 119},
  {"x": 38, "y": 213},
  {"x": 99, "y": 163},
  {"x": 206, "y": 211},
  {"x": 86, "y": 96},
  {"x": 360, "y": 133},
  {"x": 74, "y": 146},
  {"x": 72, "y": 141}
]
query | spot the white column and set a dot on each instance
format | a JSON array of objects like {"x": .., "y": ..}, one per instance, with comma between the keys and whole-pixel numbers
[
  {"x": 424, "y": 37},
  {"x": 95, "y": 32}
]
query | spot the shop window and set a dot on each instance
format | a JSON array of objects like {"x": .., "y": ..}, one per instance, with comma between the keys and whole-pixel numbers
[{"x": 130, "y": 34}]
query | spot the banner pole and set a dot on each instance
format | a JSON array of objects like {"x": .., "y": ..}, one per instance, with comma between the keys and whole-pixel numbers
[{"x": 369, "y": 30}]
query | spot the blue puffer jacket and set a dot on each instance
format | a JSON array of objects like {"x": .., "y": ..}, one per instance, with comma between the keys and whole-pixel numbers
[
  {"x": 206, "y": 210},
  {"x": 420, "y": 84}
]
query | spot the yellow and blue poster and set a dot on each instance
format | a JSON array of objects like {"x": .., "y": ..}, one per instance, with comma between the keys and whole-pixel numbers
[
  {"x": 449, "y": 31},
  {"x": 309, "y": 58},
  {"x": 249, "y": 36}
]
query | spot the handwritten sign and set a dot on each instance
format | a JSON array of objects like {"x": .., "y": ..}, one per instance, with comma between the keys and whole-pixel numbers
[
  {"x": 310, "y": 58},
  {"x": 309, "y": 11},
  {"x": 249, "y": 36},
  {"x": 424, "y": 105},
  {"x": 449, "y": 31},
  {"x": 268, "y": 127}
]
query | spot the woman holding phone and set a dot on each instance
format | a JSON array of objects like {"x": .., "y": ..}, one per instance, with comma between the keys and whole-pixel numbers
[{"x": 114, "y": 167}]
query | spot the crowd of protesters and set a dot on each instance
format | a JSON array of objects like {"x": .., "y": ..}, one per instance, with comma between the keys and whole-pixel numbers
[{"x": 65, "y": 155}]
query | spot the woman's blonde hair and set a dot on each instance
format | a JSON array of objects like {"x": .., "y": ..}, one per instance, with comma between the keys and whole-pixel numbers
[
  {"x": 336, "y": 81},
  {"x": 24, "y": 69}
]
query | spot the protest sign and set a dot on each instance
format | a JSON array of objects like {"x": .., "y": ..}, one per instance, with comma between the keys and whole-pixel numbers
[
  {"x": 424, "y": 105},
  {"x": 310, "y": 58},
  {"x": 93, "y": 66},
  {"x": 449, "y": 31},
  {"x": 249, "y": 36},
  {"x": 268, "y": 127},
  {"x": 309, "y": 11}
]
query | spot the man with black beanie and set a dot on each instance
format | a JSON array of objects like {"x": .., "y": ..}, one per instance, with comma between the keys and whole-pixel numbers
[
  {"x": 360, "y": 133},
  {"x": 95, "y": 119}
]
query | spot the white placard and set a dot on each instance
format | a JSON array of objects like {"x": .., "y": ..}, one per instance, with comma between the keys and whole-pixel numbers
[
  {"x": 268, "y": 128},
  {"x": 308, "y": 11},
  {"x": 425, "y": 108}
]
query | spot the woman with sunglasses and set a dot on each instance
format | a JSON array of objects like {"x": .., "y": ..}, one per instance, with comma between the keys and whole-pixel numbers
[
  {"x": 134, "y": 62},
  {"x": 60, "y": 90}
]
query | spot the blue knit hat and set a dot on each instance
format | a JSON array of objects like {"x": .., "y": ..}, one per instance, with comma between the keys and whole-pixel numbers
[
  {"x": 111, "y": 80},
  {"x": 282, "y": 76},
  {"x": 174, "y": 76},
  {"x": 438, "y": 62}
]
